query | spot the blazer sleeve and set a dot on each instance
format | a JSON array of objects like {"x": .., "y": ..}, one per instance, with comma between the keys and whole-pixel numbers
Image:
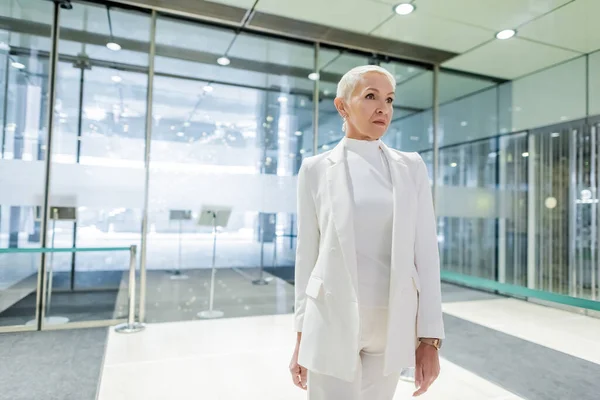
[
  {"x": 429, "y": 316},
  {"x": 307, "y": 245}
]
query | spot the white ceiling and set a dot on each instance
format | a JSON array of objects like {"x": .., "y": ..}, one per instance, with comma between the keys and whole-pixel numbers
[{"x": 549, "y": 31}]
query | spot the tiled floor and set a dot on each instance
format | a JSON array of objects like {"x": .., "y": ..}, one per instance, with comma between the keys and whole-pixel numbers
[
  {"x": 241, "y": 358},
  {"x": 570, "y": 333},
  {"x": 247, "y": 357}
]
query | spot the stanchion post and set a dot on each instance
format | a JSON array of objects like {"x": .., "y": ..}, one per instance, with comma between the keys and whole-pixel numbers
[{"x": 131, "y": 326}]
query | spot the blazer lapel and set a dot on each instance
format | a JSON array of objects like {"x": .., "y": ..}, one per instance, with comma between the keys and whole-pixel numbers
[{"x": 342, "y": 208}]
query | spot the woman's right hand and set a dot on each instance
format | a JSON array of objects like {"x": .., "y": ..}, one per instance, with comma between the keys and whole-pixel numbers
[{"x": 298, "y": 371}]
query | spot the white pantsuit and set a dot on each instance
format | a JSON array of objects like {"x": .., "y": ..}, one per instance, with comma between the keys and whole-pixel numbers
[{"x": 351, "y": 339}]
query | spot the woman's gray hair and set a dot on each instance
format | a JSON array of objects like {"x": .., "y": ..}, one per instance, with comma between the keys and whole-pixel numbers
[{"x": 348, "y": 82}]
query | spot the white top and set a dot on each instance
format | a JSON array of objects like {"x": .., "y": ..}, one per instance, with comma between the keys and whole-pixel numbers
[{"x": 372, "y": 190}]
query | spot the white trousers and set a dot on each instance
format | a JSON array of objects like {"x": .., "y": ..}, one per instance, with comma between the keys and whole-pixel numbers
[{"x": 370, "y": 383}]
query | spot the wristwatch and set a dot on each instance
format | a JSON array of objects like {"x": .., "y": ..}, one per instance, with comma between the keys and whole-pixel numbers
[{"x": 437, "y": 343}]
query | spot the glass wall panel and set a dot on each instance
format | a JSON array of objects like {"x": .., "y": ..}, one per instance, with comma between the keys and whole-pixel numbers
[
  {"x": 564, "y": 223},
  {"x": 225, "y": 136},
  {"x": 467, "y": 208},
  {"x": 23, "y": 137},
  {"x": 513, "y": 189},
  {"x": 594, "y": 83},
  {"x": 97, "y": 158},
  {"x": 411, "y": 122}
]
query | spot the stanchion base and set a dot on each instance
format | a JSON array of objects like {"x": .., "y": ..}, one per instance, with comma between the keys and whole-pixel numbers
[
  {"x": 50, "y": 321},
  {"x": 133, "y": 328},
  {"x": 211, "y": 314},
  {"x": 178, "y": 276},
  {"x": 260, "y": 282}
]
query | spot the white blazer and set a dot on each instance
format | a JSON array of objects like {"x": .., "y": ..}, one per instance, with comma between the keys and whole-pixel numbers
[{"x": 326, "y": 307}]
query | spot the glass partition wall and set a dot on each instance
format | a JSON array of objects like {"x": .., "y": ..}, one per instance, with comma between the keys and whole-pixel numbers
[{"x": 159, "y": 121}]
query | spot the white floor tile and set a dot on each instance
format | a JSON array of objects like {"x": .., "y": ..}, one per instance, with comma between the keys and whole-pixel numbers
[{"x": 241, "y": 358}]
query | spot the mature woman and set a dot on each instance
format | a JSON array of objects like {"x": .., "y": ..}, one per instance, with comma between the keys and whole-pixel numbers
[{"x": 368, "y": 298}]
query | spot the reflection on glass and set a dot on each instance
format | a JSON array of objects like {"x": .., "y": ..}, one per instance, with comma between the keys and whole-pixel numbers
[
  {"x": 412, "y": 107},
  {"x": 23, "y": 85},
  {"x": 229, "y": 136}
]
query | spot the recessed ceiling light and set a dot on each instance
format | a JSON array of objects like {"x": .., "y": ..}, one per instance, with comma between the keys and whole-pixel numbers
[
  {"x": 555, "y": 134},
  {"x": 224, "y": 61},
  {"x": 17, "y": 65},
  {"x": 208, "y": 89},
  {"x": 282, "y": 99},
  {"x": 464, "y": 123},
  {"x": 404, "y": 9},
  {"x": 314, "y": 76},
  {"x": 506, "y": 34},
  {"x": 454, "y": 165},
  {"x": 298, "y": 133},
  {"x": 526, "y": 154},
  {"x": 113, "y": 46},
  {"x": 116, "y": 78}
]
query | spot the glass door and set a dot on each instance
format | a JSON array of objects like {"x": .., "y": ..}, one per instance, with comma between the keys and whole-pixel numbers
[{"x": 563, "y": 210}]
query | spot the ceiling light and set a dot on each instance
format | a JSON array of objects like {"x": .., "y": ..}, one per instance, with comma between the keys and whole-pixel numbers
[
  {"x": 4, "y": 46},
  {"x": 298, "y": 133},
  {"x": 555, "y": 134},
  {"x": 464, "y": 123},
  {"x": 223, "y": 61},
  {"x": 113, "y": 46},
  {"x": 404, "y": 9},
  {"x": 17, "y": 65},
  {"x": 526, "y": 154},
  {"x": 314, "y": 76},
  {"x": 180, "y": 134},
  {"x": 208, "y": 89},
  {"x": 325, "y": 147},
  {"x": 454, "y": 165},
  {"x": 506, "y": 34},
  {"x": 302, "y": 151},
  {"x": 282, "y": 99},
  {"x": 116, "y": 78}
]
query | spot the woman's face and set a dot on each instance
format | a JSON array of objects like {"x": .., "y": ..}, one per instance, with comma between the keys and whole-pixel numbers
[{"x": 369, "y": 110}]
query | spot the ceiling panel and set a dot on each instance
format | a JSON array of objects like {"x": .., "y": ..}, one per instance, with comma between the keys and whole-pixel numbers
[
  {"x": 491, "y": 14},
  {"x": 235, "y": 3},
  {"x": 330, "y": 15},
  {"x": 431, "y": 31},
  {"x": 574, "y": 26},
  {"x": 509, "y": 59}
]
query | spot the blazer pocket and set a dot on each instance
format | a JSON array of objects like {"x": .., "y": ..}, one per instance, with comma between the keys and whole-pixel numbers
[
  {"x": 416, "y": 280},
  {"x": 314, "y": 287}
]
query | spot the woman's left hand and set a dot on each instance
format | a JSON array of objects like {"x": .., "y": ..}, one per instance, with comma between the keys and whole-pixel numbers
[{"x": 427, "y": 369}]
